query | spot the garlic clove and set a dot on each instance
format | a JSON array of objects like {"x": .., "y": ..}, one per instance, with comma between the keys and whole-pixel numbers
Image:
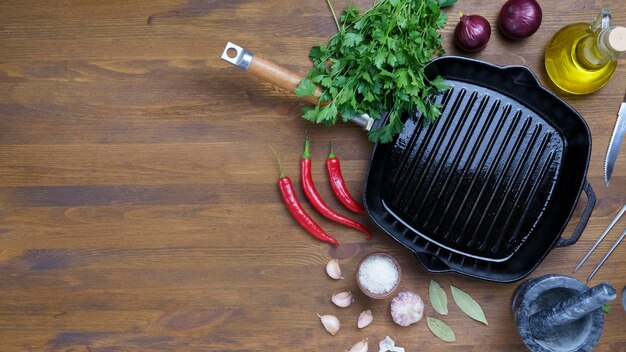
[
  {"x": 333, "y": 270},
  {"x": 331, "y": 323},
  {"x": 361, "y": 346},
  {"x": 365, "y": 319},
  {"x": 342, "y": 299}
]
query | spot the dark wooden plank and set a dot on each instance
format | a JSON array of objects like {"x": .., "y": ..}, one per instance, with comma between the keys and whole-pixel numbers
[{"x": 138, "y": 202}]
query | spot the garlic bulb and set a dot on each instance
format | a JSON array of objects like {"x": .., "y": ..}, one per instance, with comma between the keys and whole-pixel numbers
[
  {"x": 331, "y": 323},
  {"x": 407, "y": 308},
  {"x": 360, "y": 346},
  {"x": 342, "y": 299},
  {"x": 365, "y": 319},
  {"x": 333, "y": 270}
]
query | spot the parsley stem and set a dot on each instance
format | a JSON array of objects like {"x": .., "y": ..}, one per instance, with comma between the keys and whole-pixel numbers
[{"x": 334, "y": 14}]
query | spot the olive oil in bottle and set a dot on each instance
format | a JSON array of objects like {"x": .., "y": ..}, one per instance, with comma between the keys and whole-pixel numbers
[{"x": 581, "y": 57}]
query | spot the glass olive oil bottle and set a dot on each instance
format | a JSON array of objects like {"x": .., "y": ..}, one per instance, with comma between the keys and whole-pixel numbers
[{"x": 581, "y": 57}]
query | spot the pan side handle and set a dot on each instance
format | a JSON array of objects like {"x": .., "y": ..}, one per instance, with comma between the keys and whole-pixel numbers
[
  {"x": 432, "y": 263},
  {"x": 522, "y": 75},
  {"x": 582, "y": 223}
]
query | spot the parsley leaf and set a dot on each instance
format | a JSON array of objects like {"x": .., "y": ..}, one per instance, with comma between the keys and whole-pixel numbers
[
  {"x": 375, "y": 64},
  {"x": 328, "y": 114},
  {"x": 446, "y": 3},
  {"x": 379, "y": 59},
  {"x": 306, "y": 87},
  {"x": 352, "y": 39},
  {"x": 310, "y": 113}
]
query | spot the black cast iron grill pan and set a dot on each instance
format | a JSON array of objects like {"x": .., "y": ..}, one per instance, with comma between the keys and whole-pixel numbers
[
  {"x": 487, "y": 189},
  {"x": 477, "y": 180}
]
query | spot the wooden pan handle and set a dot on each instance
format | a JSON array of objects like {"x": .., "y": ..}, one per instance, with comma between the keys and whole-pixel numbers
[
  {"x": 278, "y": 76},
  {"x": 266, "y": 70}
]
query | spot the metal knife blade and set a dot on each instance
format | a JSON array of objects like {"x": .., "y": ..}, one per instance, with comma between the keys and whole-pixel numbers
[{"x": 615, "y": 143}]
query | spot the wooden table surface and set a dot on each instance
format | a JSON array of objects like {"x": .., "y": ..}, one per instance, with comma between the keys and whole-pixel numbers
[{"x": 138, "y": 202}]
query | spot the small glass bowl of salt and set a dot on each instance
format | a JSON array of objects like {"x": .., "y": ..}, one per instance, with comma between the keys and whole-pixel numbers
[{"x": 378, "y": 275}]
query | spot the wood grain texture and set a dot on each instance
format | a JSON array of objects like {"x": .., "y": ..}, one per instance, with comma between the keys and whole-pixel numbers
[{"x": 138, "y": 200}]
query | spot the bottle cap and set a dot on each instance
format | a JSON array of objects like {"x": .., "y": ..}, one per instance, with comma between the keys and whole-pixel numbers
[{"x": 616, "y": 39}]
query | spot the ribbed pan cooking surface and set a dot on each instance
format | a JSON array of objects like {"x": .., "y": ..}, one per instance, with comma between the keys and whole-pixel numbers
[
  {"x": 487, "y": 189},
  {"x": 478, "y": 179}
]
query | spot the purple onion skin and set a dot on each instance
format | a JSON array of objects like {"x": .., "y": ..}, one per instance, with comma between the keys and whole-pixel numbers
[
  {"x": 472, "y": 33},
  {"x": 519, "y": 19}
]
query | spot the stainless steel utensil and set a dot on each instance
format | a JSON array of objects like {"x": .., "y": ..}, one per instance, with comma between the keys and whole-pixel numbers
[
  {"x": 606, "y": 231},
  {"x": 615, "y": 143},
  {"x": 595, "y": 245},
  {"x": 606, "y": 256}
]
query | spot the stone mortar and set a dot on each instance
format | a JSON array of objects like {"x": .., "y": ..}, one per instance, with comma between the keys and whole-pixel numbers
[{"x": 541, "y": 293}]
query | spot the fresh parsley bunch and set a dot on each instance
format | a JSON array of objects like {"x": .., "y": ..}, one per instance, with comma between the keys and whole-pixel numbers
[{"x": 375, "y": 64}]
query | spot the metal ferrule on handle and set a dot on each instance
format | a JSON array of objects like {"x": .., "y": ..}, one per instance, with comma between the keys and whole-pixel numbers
[
  {"x": 278, "y": 76},
  {"x": 237, "y": 56}
]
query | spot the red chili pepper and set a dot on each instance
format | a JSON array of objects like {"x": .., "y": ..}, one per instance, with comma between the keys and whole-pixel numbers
[
  {"x": 339, "y": 186},
  {"x": 295, "y": 208},
  {"x": 316, "y": 200}
]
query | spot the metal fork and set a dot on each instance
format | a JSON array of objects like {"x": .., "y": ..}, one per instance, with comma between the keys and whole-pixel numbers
[{"x": 595, "y": 245}]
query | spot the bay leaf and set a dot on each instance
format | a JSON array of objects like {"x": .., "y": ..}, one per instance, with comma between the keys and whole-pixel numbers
[
  {"x": 438, "y": 298},
  {"x": 440, "y": 329},
  {"x": 468, "y": 305}
]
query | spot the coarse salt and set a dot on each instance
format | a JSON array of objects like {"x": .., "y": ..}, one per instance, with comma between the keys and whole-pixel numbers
[{"x": 378, "y": 274}]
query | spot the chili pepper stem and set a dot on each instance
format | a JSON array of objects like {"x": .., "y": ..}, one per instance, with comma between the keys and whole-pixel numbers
[
  {"x": 332, "y": 153},
  {"x": 280, "y": 164},
  {"x": 306, "y": 153}
]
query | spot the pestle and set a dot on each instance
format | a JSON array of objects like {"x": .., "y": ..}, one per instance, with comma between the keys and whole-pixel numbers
[{"x": 544, "y": 322}]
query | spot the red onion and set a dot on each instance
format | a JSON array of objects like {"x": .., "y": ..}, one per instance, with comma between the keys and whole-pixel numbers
[
  {"x": 472, "y": 33},
  {"x": 519, "y": 19}
]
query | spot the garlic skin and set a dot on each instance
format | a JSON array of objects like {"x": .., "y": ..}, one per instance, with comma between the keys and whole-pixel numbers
[
  {"x": 333, "y": 270},
  {"x": 342, "y": 299},
  {"x": 386, "y": 345},
  {"x": 331, "y": 323},
  {"x": 389, "y": 345},
  {"x": 361, "y": 346},
  {"x": 365, "y": 319},
  {"x": 407, "y": 308}
]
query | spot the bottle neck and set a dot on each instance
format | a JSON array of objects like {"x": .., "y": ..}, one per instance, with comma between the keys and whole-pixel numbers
[
  {"x": 596, "y": 50},
  {"x": 612, "y": 42}
]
